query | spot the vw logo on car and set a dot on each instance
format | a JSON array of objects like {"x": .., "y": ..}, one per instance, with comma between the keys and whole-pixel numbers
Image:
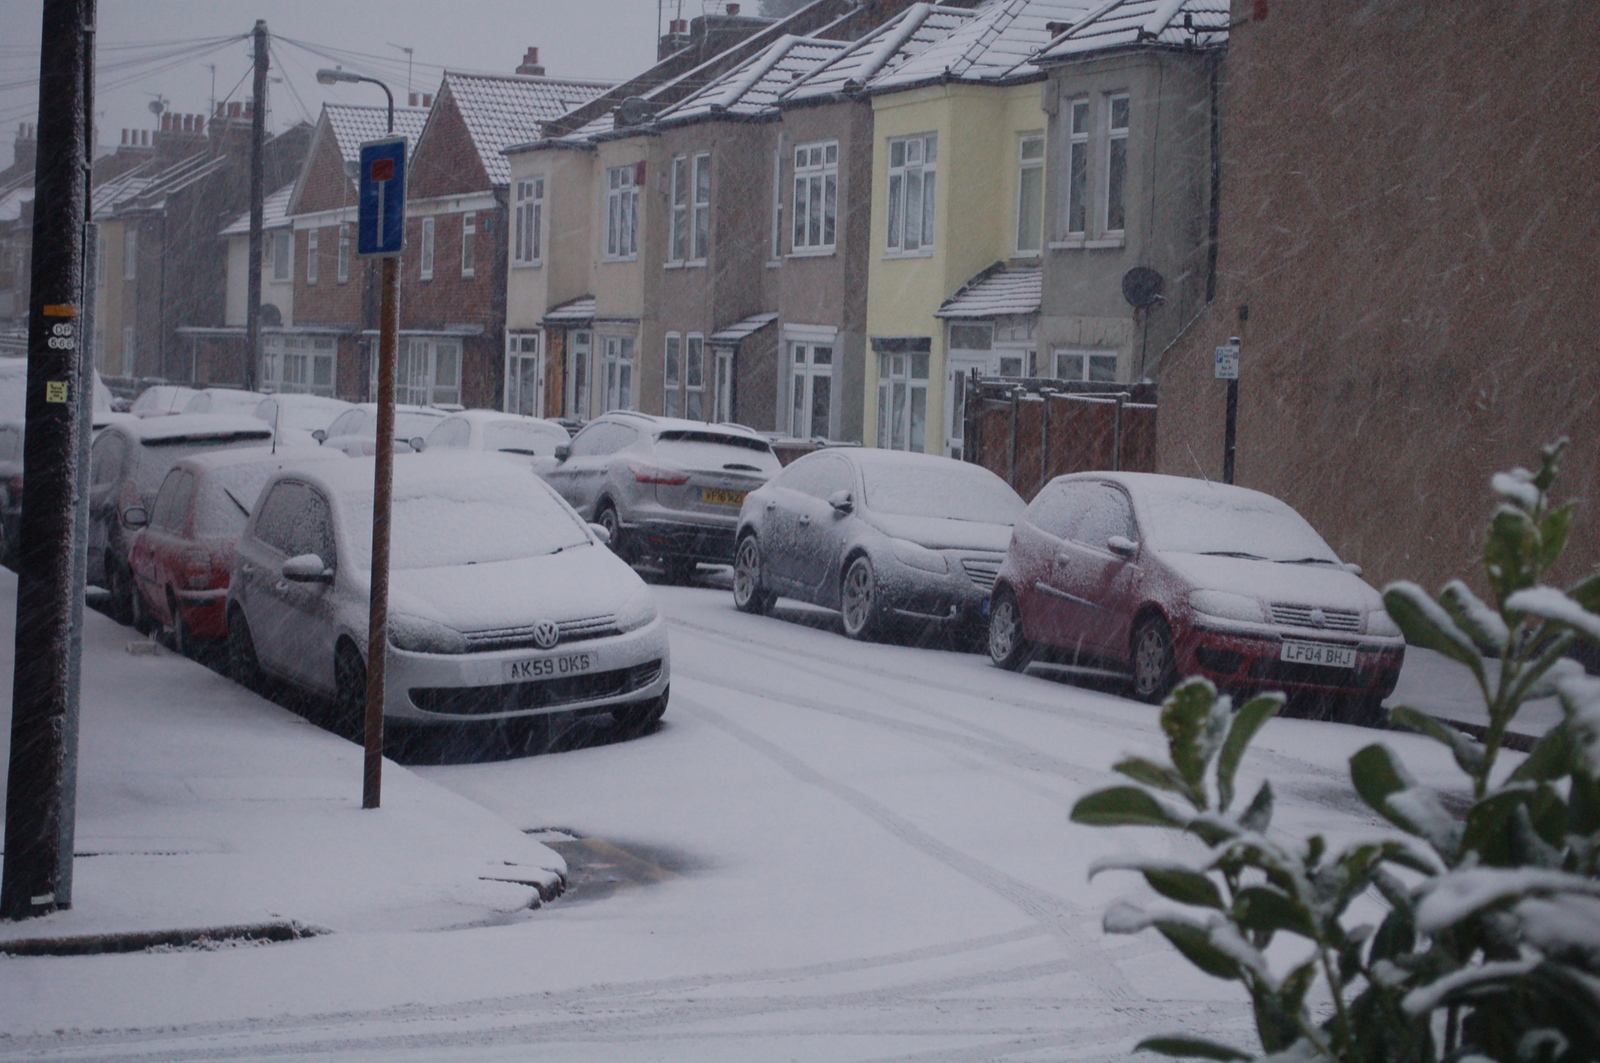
[{"x": 546, "y": 633}]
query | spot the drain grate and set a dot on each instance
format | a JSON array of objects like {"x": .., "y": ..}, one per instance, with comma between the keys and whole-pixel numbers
[{"x": 206, "y": 939}]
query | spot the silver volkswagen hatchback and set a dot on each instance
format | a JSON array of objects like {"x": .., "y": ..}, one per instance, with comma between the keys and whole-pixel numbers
[{"x": 661, "y": 486}]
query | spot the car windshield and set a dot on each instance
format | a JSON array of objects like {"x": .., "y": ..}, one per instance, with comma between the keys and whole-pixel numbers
[
  {"x": 521, "y": 438},
  {"x": 957, "y": 491},
  {"x": 227, "y": 495},
  {"x": 1230, "y": 524},
  {"x": 473, "y": 520}
]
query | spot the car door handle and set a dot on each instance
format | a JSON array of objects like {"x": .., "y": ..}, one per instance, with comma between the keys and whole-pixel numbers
[
  {"x": 772, "y": 504},
  {"x": 281, "y": 586},
  {"x": 805, "y": 518}
]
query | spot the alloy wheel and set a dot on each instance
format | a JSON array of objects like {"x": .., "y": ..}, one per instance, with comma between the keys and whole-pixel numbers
[
  {"x": 859, "y": 604},
  {"x": 748, "y": 594},
  {"x": 1152, "y": 661},
  {"x": 1007, "y": 647}
]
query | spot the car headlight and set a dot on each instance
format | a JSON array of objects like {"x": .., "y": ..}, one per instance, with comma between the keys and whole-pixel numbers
[
  {"x": 416, "y": 635},
  {"x": 1225, "y": 605},
  {"x": 1380, "y": 623},
  {"x": 637, "y": 611},
  {"x": 918, "y": 556}
]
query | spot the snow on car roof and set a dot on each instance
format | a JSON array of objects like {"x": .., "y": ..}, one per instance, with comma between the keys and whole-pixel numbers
[
  {"x": 183, "y": 426},
  {"x": 444, "y": 473},
  {"x": 222, "y": 459}
]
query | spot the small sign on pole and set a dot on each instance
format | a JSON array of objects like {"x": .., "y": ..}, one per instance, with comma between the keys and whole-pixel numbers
[
  {"x": 1227, "y": 367},
  {"x": 381, "y": 202}
]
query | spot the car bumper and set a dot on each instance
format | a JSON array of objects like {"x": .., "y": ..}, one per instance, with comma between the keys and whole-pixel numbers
[
  {"x": 701, "y": 542},
  {"x": 589, "y": 676},
  {"x": 959, "y": 595},
  {"x": 205, "y": 613},
  {"x": 1241, "y": 662}
]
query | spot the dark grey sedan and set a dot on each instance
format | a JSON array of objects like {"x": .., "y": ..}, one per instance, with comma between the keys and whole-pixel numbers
[{"x": 888, "y": 538}]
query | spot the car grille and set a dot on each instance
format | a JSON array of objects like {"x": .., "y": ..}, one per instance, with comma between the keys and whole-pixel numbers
[
  {"x": 982, "y": 570},
  {"x": 1300, "y": 616},
  {"x": 521, "y": 638},
  {"x": 540, "y": 694}
]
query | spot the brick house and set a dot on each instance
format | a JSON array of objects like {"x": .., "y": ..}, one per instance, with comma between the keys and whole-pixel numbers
[
  {"x": 1412, "y": 231},
  {"x": 16, "y": 227}
]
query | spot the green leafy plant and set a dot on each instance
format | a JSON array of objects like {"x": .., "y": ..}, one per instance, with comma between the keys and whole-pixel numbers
[{"x": 1490, "y": 945}]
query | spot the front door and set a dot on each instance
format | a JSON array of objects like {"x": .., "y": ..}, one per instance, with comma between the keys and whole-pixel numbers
[
  {"x": 524, "y": 374},
  {"x": 958, "y": 376},
  {"x": 580, "y": 372},
  {"x": 722, "y": 380}
]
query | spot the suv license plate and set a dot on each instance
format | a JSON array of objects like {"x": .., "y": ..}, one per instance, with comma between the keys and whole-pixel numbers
[
  {"x": 719, "y": 497},
  {"x": 1318, "y": 653},
  {"x": 548, "y": 667}
]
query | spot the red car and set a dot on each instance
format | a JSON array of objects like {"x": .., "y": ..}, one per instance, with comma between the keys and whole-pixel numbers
[
  {"x": 182, "y": 554},
  {"x": 1162, "y": 577}
]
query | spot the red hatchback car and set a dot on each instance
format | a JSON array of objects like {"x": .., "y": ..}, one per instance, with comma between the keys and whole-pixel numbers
[
  {"x": 1162, "y": 577},
  {"x": 182, "y": 554}
]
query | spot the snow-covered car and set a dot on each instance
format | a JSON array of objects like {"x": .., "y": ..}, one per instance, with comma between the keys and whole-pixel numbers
[
  {"x": 181, "y": 557},
  {"x": 223, "y": 400},
  {"x": 355, "y": 431},
  {"x": 503, "y": 603},
  {"x": 127, "y": 465},
  {"x": 493, "y": 432},
  {"x": 1163, "y": 577},
  {"x": 307, "y": 413},
  {"x": 886, "y": 537},
  {"x": 663, "y": 487},
  {"x": 162, "y": 400}
]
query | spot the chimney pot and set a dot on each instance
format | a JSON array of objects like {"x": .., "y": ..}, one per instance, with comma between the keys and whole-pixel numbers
[
  {"x": 733, "y": 9},
  {"x": 530, "y": 64},
  {"x": 427, "y": 99}
]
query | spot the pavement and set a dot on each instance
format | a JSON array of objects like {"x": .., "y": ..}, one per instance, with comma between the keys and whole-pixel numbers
[{"x": 204, "y": 809}]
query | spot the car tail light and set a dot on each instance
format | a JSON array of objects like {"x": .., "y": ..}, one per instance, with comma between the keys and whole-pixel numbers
[
  {"x": 197, "y": 570},
  {"x": 657, "y": 474}
]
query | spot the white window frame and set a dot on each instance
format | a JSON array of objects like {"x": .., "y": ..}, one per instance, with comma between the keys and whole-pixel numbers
[
  {"x": 1030, "y": 169},
  {"x": 1087, "y": 359},
  {"x": 918, "y": 159},
  {"x": 678, "y": 207},
  {"x": 528, "y": 222},
  {"x": 672, "y": 375},
  {"x": 344, "y": 254},
  {"x": 816, "y": 198},
  {"x": 804, "y": 372},
  {"x": 312, "y": 240},
  {"x": 1079, "y": 119},
  {"x": 580, "y": 373},
  {"x": 283, "y": 256},
  {"x": 722, "y": 360},
  {"x": 621, "y": 229},
  {"x": 1116, "y": 186},
  {"x": 777, "y": 208},
  {"x": 700, "y": 211},
  {"x": 469, "y": 243},
  {"x": 130, "y": 253},
  {"x": 522, "y": 345},
  {"x": 899, "y": 392},
  {"x": 291, "y": 365},
  {"x": 618, "y": 373},
  {"x": 418, "y": 379},
  {"x": 425, "y": 254},
  {"x": 694, "y": 376}
]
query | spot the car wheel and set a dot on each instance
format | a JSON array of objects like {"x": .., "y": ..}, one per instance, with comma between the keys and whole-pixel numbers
[
  {"x": 350, "y": 693},
  {"x": 119, "y": 582},
  {"x": 680, "y": 570},
  {"x": 1007, "y": 646},
  {"x": 749, "y": 596},
  {"x": 607, "y": 519},
  {"x": 641, "y": 717},
  {"x": 859, "y": 600},
  {"x": 243, "y": 664},
  {"x": 1155, "y": 665}
]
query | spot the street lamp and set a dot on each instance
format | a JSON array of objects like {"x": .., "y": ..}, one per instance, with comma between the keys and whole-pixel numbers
[
  {"x": 327, "y": 76},
  {"x": 382, "y": 490}
]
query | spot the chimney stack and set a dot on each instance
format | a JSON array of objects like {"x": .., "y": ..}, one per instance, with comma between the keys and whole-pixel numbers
[
  {"x": 25, "y": 149},
  {"x": 530, "y": 64},
  {"x": 733, "y": 10}
]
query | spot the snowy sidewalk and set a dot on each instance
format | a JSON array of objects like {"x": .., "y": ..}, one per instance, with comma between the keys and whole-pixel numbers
[{"x": 201, "y": 805}]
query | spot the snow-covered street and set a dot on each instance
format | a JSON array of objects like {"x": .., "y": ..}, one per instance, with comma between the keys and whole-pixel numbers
[{"x": 828, "y": 851}]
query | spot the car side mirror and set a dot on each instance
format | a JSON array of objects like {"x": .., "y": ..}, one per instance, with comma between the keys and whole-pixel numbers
[
  {"x": 602, "y": 533},
  {"x": 1122, "y": 546},
  {"x": 563, "y": 452},
  {"x": 1353, "y": 568},
  {"x": 307, "y": 568},
  {"x": 135, "y": 517},
  {"x": 417, "y": 443},
  {"x": 842, "y": 503},
  {"x": 320, "y": 435}
]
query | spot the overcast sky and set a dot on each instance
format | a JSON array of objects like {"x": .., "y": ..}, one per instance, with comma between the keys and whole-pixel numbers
[{"x": 604, "y": 39}]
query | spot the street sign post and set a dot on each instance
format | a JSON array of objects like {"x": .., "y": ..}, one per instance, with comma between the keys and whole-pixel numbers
[
  {"x": 381, "y": 233},
  {"x": 1227, "y": 368}
]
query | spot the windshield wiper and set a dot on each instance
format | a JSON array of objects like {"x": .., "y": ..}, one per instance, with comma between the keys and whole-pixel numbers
[
  {"x": 1310, "y": 561},
  {"x": 1232, "y": 553}
]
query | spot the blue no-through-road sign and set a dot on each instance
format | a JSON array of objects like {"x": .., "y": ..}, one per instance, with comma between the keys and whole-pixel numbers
[{"x": 381, "y": 211}]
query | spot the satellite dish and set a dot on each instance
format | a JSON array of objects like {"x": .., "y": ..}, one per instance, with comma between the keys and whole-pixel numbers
[
  {"x": 1141, "y": 286},
  {"x": 157, "y": 105},
  {"x": 635, "y": 110}
]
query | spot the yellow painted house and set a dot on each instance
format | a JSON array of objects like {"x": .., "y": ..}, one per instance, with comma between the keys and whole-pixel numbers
[{"x": 959, "y": 186}]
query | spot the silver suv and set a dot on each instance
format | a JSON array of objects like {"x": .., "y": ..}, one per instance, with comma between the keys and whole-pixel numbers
[{"x": 662, "y": 487}]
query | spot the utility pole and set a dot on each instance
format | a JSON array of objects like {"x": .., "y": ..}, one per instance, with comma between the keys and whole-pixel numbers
[
  {"x": 258, "y": 196},
  {"x": 41, "y": 787}
]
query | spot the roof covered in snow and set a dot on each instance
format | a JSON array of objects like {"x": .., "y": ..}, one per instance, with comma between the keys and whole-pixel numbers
[
  {"x": 882, "y": 51},
  {"x": 1130, "y": 23},
  {"x": 352, "y": 125},
  {"x": 997, "y": 44},
  {"x": 996, "y": 292},
  {"x": 577, "y": 311},
  {"x": 274, "y": 213},
  {"x": 755, "y": 86},
  {"x": 502, "y": 110},
  {"x": 740, "y": 329}
]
